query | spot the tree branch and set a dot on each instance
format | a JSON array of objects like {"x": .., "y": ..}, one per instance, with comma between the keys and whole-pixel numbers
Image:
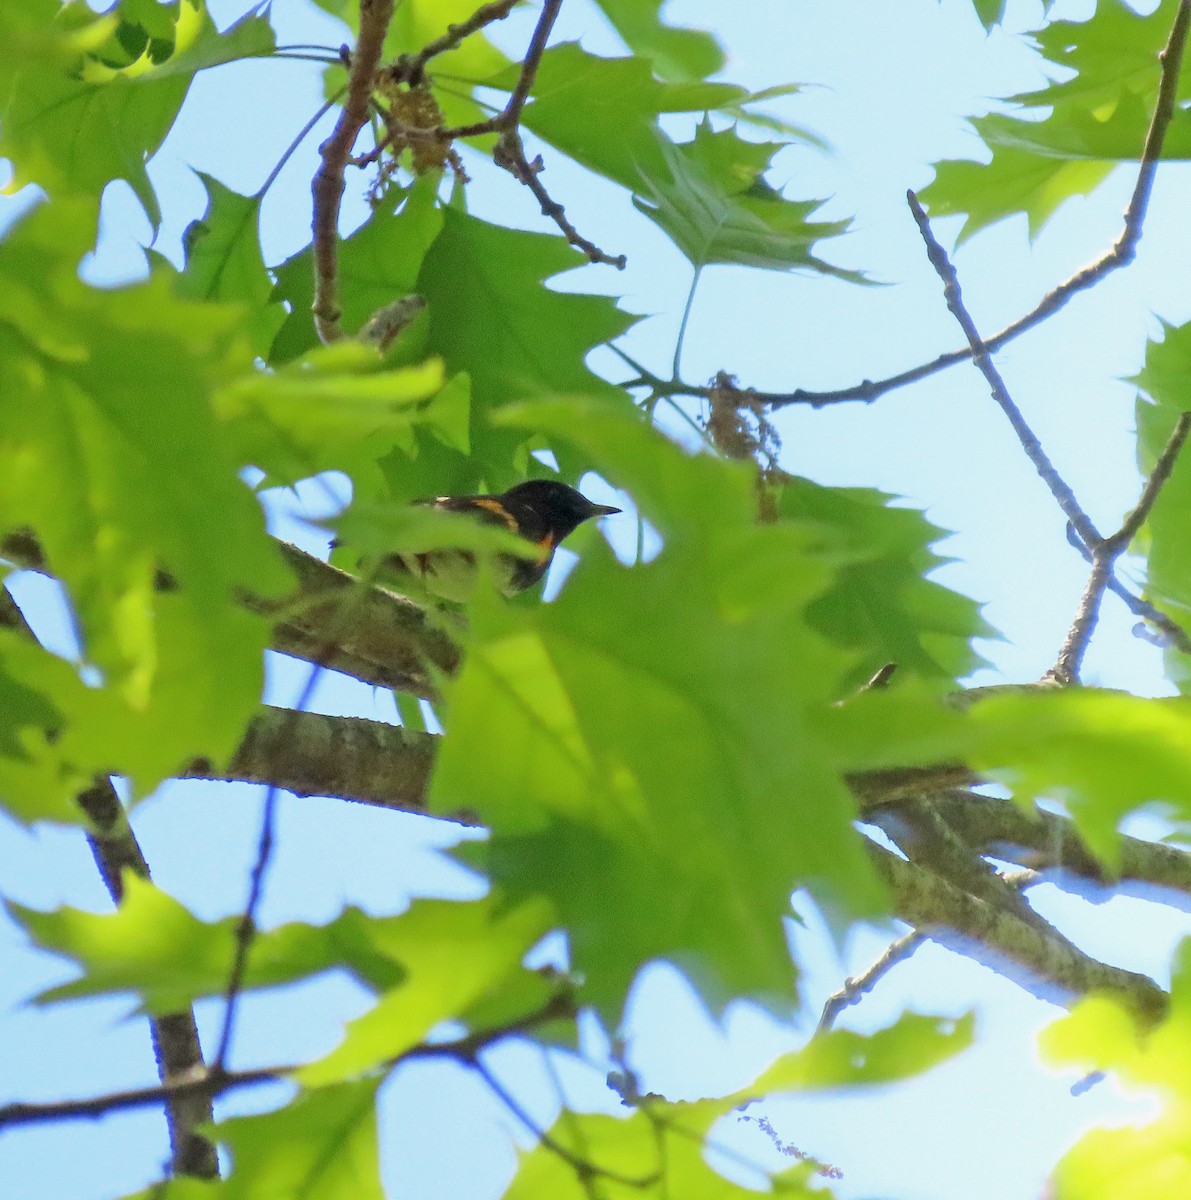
[
  {"x": 856, "y": 987},
  {"x": 1106, "y": 551},
  {"x": 176, "y": 1046},
  {"x": 385, "y": 639},
  {"x": 310, "y": 754},
  {"x": 1040, "y": 840},
  {"x": 1120, "y": 254},
  {"x": 327, "y": 186},
  {"x": 999, "y": 940},
  {"x": 209, "y": 1082},
  {"x": 1062, "y": 493}
]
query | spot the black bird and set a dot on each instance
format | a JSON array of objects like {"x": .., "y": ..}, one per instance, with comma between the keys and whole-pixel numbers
[{"x": 543, "y": 511}]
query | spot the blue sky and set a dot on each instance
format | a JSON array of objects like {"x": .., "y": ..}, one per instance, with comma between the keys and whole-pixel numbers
[{"x": 891, "y": 85}]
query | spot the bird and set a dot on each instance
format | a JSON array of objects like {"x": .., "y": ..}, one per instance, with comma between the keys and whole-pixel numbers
[{"x": 543, "y": 511}]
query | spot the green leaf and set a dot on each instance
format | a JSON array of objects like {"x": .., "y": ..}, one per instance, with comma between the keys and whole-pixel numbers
[
  {"x": 712, "y": 200},
  {"x": 1136, "y": 1160},
  {"x": 453, "y": 74},
  {"x": 437, "y": 961},
  {"x": 114, "y": 104},
  {"x": 1166, "y": 378},
  {"x": 881, "y": 606},
  {"x": 1070, "y": 134},
  {"x": 1104, "y": 754},
  {"x": 642, "y": 773},
  {"x": 223, "y": 261},
  {"x": 667, "y": 1141},
  {"x": 493, "y": 329},
  {"x": 119, "y": 477},
  {"x": 842, "y": 1058},
  {"x": 681, "y": 54},
  {"x": 603, "y": 112},
  {"x": 455, "y": 956},
  {"x": 378, "y": 264},
  {"x": 37, "y": 779},
  {"x": 336, "y": 410},
  {"x": 321, "y": 1146},
  {"x": 31, "y": 39}
]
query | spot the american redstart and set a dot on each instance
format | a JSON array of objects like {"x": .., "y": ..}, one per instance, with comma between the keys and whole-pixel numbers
[{"x": 542, "y": 511}]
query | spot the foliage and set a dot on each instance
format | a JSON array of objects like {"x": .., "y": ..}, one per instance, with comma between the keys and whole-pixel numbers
[{"x": 662, "y": 755}]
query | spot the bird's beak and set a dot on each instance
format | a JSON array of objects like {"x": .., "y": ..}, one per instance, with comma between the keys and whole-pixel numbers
[{"x": 604, "y": 510}]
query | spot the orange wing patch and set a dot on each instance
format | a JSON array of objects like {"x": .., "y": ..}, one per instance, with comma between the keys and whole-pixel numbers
[{"x": 495, "y": 506}]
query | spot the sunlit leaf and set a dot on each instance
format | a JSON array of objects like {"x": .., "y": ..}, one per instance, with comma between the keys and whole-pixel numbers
[
  {"x": 114, "y": 104},
  {"x": 1068, "y": 136},
  {"x": 643, "y": 773},
  {"x": 117, "y": 464}
]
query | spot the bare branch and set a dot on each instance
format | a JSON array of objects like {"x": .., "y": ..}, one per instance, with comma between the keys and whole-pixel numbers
[
  {"x": 1079, "y": 636},
  {"x": 1120, "y": 254},
  {"x": 311, "y": 754},
  {"x": 1106, "y": 551},
  {"x": 211, "y": 1082},
  {"x": 1154, "y": 484},
  {"x": 858, "y": 986},
  {"x": 1053, "y": 969},
  {"x": 1043, "y": 840},
  {"x": 381, "y": 637},
  {"x": 176, "y": 1046},
  {"x": 510, "y": 154},
  {"x": 486, "y": 14},
  {"x": 327, "y": 186},
  {"x": 980, "y": 356}
]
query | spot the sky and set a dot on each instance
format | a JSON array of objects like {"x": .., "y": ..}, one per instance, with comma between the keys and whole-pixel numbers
[{"x": 888, "y": 87}]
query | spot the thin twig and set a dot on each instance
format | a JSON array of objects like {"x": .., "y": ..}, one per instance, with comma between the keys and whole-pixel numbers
[
  {"x": 980, "y": 356},
  {"x": 327, "y": 186},
  {"x": 412, "y": 68},
  {"x": 1106, "y": 551},
  {"x": 582, "y": 1167},
  {"x": 175, "y": 1038},
  {"x": 214, "y": 1082},
  {"x": 857, "y": 986},
  {"x": 1168, "y": 631},
  {"x": 1120, "y": 254},
  {"x": 246, "y": 929},
  {"x": 510, "y": 154},
  {"x": 1155, "y": 482}
]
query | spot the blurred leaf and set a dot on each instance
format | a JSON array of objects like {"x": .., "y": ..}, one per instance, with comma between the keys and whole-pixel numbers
[
  {"x": 116, "y": 463},
  {"x": 1136, "y": 1161},
  {"x": 675, "y": 53},
  {"x": 455, "y": 956},
  {"x": 113, "y": 104},
  {"x": 223, "y": 261},
  {"x": 669, "y": 1140},
  {"x": 712, "y": 200},
  {"x": 1166, "y": 377},
  {"x": 321, "y": 1146},
  {"x": 335, "y": 409},
  {"x": 881, "y": 605},
  {"x": 1104, "y": 754},
  {"x": 1070, "y": 134},
  {"x": 434, "y": 962},
  {"x": 37, "y": 779},
  {"x": 841, "y": 1058},
  {"x": 642, "y": 773},
  {"x": 30, "y": 38}
]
